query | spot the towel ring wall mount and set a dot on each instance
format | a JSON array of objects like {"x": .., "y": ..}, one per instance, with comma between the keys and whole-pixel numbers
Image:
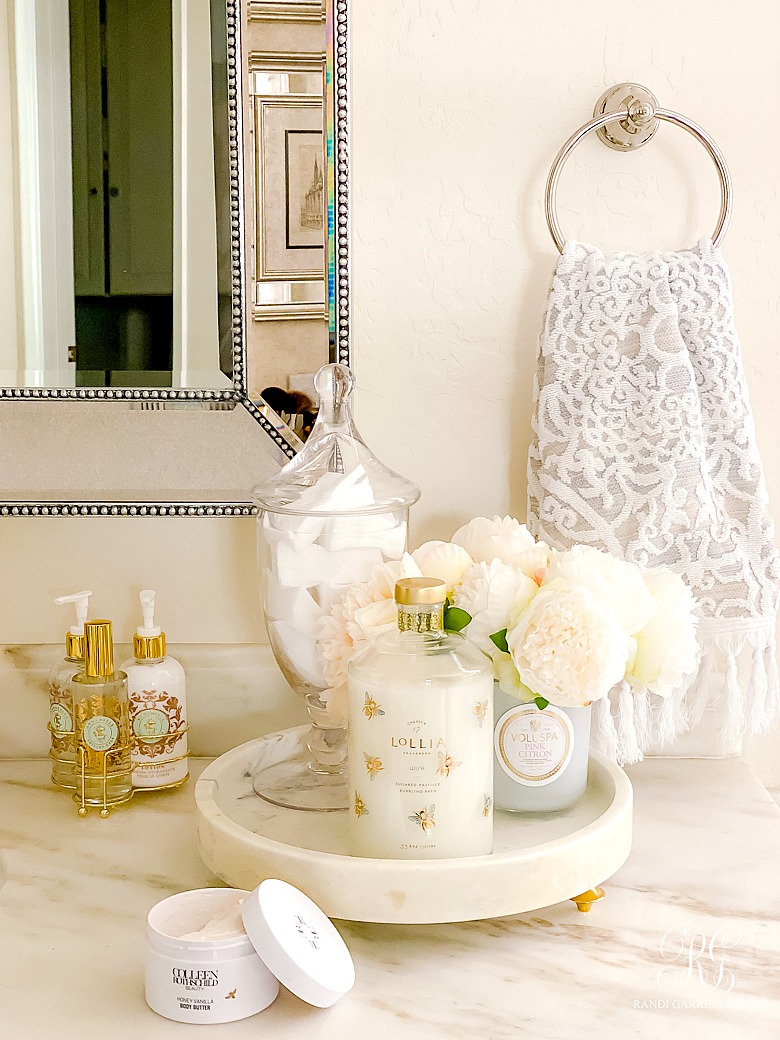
[{"x": 626, "y": 117}]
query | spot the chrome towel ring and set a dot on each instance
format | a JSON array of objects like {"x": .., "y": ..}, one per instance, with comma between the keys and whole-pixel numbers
[{"x": 635, "y": 111}]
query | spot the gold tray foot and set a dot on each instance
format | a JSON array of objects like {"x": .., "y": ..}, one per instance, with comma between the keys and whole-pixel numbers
[{"x": 585, "y": 900}]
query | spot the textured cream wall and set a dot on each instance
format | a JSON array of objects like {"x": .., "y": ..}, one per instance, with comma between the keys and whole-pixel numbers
[
  {"x": 458, "y": 108},
  {"x": 203, "y": 570}
]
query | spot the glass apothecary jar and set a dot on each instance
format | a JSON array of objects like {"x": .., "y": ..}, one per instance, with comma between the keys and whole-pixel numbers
[
  {"x": 541, "y": 755},
  {"x": 333, "y": 514}
]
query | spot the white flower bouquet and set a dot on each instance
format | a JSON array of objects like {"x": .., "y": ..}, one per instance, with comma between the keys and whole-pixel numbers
[{"x": 560, "y": 627}]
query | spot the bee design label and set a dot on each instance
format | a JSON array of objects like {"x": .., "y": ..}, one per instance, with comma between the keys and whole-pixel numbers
[{"x": 421, "y": 765}]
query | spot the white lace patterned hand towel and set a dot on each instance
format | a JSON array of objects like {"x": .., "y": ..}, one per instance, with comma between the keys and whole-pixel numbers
[{"x": 644, "y": 445}]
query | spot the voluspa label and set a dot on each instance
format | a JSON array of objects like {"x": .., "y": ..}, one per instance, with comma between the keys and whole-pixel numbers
[{"x": 534, "y": 747}]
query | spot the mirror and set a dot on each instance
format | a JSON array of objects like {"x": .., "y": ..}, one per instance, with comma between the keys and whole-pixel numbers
[{"x": 176, "y": 166}]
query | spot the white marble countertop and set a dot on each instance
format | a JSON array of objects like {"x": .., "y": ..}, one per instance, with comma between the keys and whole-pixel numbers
[{"x": 705, "y": 858}]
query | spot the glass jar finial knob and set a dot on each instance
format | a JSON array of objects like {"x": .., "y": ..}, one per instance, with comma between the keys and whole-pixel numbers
[{"x": 334, "y": 385}]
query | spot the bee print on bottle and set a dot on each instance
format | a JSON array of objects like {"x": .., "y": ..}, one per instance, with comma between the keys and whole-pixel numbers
[
  {"x": 374, "y": 765},
  {"x": 446, "y": 764},
  {"x": 371, "y": 709},
  {"x": 360, "y": 807},
  {"x": 480, "y": 712},
  {"x": 487, "y": 803},
  {"x": 425, "y": 818}
]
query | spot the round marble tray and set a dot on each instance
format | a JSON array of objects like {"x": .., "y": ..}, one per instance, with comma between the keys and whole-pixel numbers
[{"x": 538, "y": 860}]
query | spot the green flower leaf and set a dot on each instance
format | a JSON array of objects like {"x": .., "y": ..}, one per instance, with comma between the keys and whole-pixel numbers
[
  {"x": 456, "y": 619},
  {"x": 499, "y": 638},
  {"x": 541, "y": 703}
]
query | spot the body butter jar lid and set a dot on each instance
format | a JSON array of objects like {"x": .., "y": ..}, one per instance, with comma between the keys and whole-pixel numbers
[{"x": 298, "y": 943}]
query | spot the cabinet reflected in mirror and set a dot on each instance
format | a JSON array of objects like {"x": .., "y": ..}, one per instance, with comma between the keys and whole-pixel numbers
[
  {"x": 122, "y": 134},
  {"x": 119, "y": 152}
]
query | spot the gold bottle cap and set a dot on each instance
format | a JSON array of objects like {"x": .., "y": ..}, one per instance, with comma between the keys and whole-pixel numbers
[
  {"x": 98, "y": 649},
  {"x": 148, "y": 647},
  {"x": 74, "y": 646},
  {"x": 420, "y": 592}
]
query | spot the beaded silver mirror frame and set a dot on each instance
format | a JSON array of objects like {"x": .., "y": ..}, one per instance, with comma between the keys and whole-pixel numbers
[{"x": 337, "y": 144}]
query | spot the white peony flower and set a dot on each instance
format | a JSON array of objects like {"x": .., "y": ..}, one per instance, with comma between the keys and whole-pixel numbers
[
  {"x": 567, "y": 646},
  {"x": 666, "y": 648},
  {"x": 493, "y": 594},
  {"x": 505, "y": 539},
  {"x": 444, "y": 561},
  {"x": 508, "y": 678},
  {"x": 616, "y": 585}
]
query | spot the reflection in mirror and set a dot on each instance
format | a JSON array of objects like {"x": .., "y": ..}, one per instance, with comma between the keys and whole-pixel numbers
[
  {"x": 120, "y": 148},
  {"x": 123, "y": 194},
  {"x": 287, "y": 338}
]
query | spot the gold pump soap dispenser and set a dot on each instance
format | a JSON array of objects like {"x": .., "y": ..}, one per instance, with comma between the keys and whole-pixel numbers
[
  {"x": 102, "y": 719},
  {"x": 158, "y": 706},
  {"x": 61, "y": 726}
]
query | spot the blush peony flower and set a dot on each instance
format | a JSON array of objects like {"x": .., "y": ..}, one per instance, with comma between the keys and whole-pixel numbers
[
  {"x": 567, "y": 646},
  {"x": 444, "y": 561},
  {"x": 505, "y": 539},
  {"x": 618, "y": 586},
  {"x": 493, "y": 594},
  {"x": 360, "y": 614},
  {"x": 666, "y": 648}
]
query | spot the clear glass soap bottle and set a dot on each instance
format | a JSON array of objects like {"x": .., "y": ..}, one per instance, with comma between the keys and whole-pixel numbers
[
  {"x": 420, "y": 737},
  {"x": 61, "y": 726},
  {"x": 102, "y": 723}
]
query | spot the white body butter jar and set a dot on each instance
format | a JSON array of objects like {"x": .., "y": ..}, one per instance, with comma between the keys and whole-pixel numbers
[
  {"x": 219, "y": 954},
  {"x": 203, "y": 980}
]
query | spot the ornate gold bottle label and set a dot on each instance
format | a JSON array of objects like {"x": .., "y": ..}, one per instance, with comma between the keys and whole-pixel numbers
[
  {"x": 61, "y": 725},
  {"x": 158, "y": 724}
]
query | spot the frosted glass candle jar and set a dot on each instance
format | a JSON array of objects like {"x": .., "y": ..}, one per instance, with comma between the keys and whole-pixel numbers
[
  {"x": 197, "y": 980},
  {"x": 541, "y": 756}
]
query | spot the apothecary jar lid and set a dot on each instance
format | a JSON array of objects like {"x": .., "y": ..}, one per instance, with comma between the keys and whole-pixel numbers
[{"x": 335, "y": 473}]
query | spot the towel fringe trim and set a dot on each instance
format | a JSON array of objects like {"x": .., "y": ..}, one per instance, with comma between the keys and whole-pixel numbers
[{"x": 737, "y": 675}]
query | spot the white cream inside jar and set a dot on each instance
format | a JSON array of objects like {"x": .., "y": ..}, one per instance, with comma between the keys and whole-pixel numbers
[
  {"x": 215, "y": 922},
  {"x": 200, "y": 963}
]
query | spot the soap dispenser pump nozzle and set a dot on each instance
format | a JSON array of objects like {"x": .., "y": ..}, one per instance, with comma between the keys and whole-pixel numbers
[
  {"x": 74, "y": 639},
  {"x": 149, "y": 639}
]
